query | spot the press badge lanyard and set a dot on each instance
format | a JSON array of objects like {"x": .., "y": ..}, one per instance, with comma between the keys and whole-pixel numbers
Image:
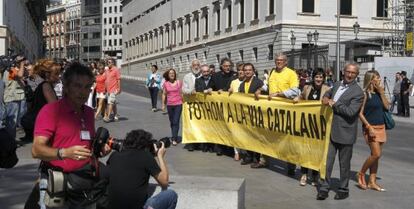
[{"x": 84, "y": 134}]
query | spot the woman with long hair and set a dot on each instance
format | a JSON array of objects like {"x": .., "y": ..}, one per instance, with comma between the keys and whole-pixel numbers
[
  {"x": 44, "y": 93},
  {"x": 313, "y": 91},
  {"x": 372, "y": 117},
  {"x": 172, "y": 93}
]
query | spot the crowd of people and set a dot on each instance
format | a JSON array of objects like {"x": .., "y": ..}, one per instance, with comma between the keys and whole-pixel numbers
[
  {"x": 57, "y": 104},
  {"x": 349, "y": 102}
]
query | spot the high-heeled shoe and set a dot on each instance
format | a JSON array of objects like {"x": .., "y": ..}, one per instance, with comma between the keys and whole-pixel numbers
[
  {"x": 360, "y": 179},
  {"x": 376, "y": 187}
]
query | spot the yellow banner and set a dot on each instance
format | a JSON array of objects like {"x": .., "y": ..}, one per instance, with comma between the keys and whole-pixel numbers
[
  {"x": 409, "y": 44},
  {"x": 294, "y": 132}
]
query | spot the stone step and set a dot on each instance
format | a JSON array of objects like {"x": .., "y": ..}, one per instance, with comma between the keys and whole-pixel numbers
[{"x": 205, "y": 192}]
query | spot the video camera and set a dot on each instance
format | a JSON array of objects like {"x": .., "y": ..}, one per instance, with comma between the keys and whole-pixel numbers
[{"x": 102, "y": 138}]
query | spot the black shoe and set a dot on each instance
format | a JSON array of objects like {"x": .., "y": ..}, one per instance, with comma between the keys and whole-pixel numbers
[
  {"x": 190, "y": 149},
  {"x": 322, "y": 195},
  {"x": 258, "y": 165},
  {"x": 219, "y": 153},
  {"x": 291, "y": 172},
  {"x": 211, "y": 150},
  {"x": 341, "y": 195},
  {"x": 246, "y": 161}
]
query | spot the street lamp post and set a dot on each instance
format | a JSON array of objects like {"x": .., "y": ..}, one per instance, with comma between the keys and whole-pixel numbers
[
  {"x": 309, "y": 36},
  {"x": 316, "y": 37},
  {"x": 292, "y": 42},
  {"x": 356, "y": 27}
]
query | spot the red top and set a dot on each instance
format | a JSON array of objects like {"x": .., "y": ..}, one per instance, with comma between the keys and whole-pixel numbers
[
  {"x": 100, "y": 83},
  {"x": 62, "y": 126},
  {"x": 112, "y": 79}
]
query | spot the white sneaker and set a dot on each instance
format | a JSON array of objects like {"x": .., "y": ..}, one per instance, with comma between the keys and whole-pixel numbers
[
  {"x": 116, "y": 118},
  {"x": 303, "y": 180}
]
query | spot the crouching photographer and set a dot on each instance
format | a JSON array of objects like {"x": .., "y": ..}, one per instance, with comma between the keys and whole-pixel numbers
[
  {"x": 63, "y": 142},
  {"x": 129, "y": 171}
]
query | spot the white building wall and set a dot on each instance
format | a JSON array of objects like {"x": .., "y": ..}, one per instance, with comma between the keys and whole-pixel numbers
[
  {"x": 288, "y": 17},
  {"x": 16, "y": 19},
  {"x": 113, "y": 26}
]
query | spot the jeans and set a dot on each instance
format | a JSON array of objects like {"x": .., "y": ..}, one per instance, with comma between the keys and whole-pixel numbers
[
  {"x": 154, "y": 96},
  {"x": 174, "y": 114},
  {"x": 166, "y": 199},
  {"x": 13, "y": 110},
  {"x": 396, "y": 99}
]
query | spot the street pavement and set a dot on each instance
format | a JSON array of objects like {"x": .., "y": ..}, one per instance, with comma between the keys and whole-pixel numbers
[{"x": 265, "y": 188}]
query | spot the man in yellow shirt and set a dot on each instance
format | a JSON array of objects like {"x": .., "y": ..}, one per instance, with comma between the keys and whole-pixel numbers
[{"x": 283, "y": 82}]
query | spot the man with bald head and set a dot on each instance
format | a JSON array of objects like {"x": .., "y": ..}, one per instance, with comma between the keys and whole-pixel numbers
[{"x": 345, "y": 98}]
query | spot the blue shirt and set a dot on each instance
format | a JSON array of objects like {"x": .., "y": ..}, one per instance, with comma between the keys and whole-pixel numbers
[{"x": 374, "y": 110}]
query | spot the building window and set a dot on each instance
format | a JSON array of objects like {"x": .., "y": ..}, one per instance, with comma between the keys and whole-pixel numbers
[
  {"x": 218, "y": 19},
  {"x": 197, "y": 27},
  {"x": 110, "y": 20},
  {"x": 120, "y": 31},
  {"x": 346, "y": 7},
  {"x": 229, "y": 15},
  {"x": 255, "y": 54},
  {"x": 110, "y": 31},
  {"x": 104, "y": 10},
  {"x": 382, "y": 8},
  {"x": 181, "y": 33},
  {"x": 271, "y": 7},
  {"x": 110, "y": 10},
  {"x": 270, "y": 55},
  {"x": 104, "y": 42},
  {"x": 104, "y": 20},
  {"x": 115, "y": 31},
  {"x": 96, "y": 35},
  {"x": 308, "y": 6},
  {"x": 188, "y": 30},
  {"x": 120, "y": 19},
  {"x": 115, "y": 20},
  {"x": 206, "y": 24},
  {"x": 218, "y": 58},
  {"x": 241, "y": 55},
  {"x": 229, "y": 55},
  {"x": 241, "y": 7},
  {"x": 104, "y": 32},
  {"x": 255, "y": 9},
  {"x": 85, "y": 35},
  {"x": 116, "y": 9}
]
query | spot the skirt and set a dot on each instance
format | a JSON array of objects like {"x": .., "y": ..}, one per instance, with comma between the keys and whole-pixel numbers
[{"x": 379, "y": 132}]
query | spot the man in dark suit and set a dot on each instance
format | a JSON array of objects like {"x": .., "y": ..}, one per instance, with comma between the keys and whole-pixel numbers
[
  {"x": 203, "y": 84},
  {"x": 345, "y": 98}
]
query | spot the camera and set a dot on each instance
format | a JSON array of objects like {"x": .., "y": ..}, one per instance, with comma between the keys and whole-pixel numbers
[{"x": 102, "y": 138}]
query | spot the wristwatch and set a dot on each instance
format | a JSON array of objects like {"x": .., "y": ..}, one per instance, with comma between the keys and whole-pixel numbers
[{"x": 59, "y": 154}]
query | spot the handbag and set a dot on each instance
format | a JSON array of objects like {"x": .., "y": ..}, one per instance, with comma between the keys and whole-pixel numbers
[{"x": 388, "y": 120}]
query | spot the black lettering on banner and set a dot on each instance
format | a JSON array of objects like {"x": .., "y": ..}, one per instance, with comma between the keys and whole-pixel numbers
[
  {"x": 295, "y": 132},
  {"x": 303, "y": 126},
  {"x": 208, "y": 110},
  {"x": 252, "y": 112},
  {"x": 243, "y": 115},
  {"x": 197, "y": 111},
  {"x": 189, "y": 110},
  {"x": 313, "y": 125},
  {"x": 220, "y": 111},
  {"x": 323, "y": 127},
  {"x": 237, "y": 115},
  {"x": 261, "y": 122},
  {"x": 282, "y": 113},
  {"x": 288, "y": 123},
  {"x": 277, "y": 121},
  {"x": 229, "y": 114},
  {"x": 214, "y": 111},
  {"x": 269, "y": 119},
  {"x": 202, "y": 109}
]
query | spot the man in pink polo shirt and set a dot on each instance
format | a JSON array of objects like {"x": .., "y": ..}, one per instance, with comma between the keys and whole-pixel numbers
[
  {"x": 113, "y": 88},
  {"x": 64, "y": 129}
]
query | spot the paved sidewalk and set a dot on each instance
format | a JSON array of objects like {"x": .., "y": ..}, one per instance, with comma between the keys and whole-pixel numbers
[{"x": 265, "y": 188}]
